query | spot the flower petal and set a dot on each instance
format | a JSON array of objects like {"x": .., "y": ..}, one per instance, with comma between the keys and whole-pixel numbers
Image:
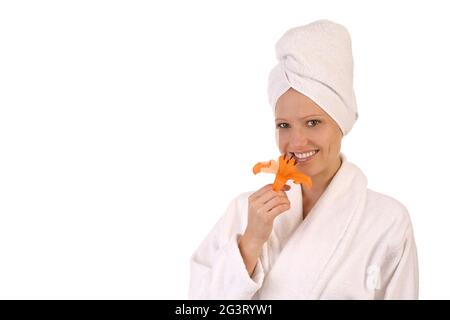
[
  {"x": 268, "y": 166},
  {"x": 285, "y": 169}
]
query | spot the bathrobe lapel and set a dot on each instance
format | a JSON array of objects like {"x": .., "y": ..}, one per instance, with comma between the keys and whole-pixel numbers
[{"x": 298, "y": 271}]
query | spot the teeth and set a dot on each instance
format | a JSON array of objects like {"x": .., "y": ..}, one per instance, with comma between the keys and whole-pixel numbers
[{"x": 304, "y": 155}]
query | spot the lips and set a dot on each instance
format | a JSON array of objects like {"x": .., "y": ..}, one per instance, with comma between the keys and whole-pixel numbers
[{"x": 305, "y": 159}]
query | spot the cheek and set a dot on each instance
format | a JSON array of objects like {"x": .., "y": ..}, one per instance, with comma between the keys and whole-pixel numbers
[
  {"x": 333, "y": 143},
  {"x": 326, "y": 141},
  {"x": 337, "y": 139},
  {"x": 338, "y": 145},
  {"x": 282, "y": 137}
]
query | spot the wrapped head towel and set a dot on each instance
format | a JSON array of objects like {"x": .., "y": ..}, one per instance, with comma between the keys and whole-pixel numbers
[{"x": 316, "y": 60}]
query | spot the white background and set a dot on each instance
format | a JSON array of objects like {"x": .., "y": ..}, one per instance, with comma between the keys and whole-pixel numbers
[{"x": 126, "y": 128}]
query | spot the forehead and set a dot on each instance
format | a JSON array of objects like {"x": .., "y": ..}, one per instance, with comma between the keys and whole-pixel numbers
[{"x": 295, "y": 104}]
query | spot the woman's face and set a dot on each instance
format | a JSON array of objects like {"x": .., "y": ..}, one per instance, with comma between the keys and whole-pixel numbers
[{"x": 304, "y": 129}]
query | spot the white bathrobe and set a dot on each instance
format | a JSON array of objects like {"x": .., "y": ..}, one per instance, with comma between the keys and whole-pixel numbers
[{"x": 354, "y": 244}]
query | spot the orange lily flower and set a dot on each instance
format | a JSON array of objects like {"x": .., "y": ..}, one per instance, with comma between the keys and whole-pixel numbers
[{"x": 285, "y": 170}]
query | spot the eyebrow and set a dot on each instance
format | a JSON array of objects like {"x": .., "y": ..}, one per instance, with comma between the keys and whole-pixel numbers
[{"x": 311, "y": 115}]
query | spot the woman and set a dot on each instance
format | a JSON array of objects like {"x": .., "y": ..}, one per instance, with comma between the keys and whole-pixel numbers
[{"x": 337, "y": 240}]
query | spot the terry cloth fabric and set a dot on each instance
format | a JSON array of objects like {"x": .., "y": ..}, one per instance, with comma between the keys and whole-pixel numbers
[{"x": 316, "y": 60}]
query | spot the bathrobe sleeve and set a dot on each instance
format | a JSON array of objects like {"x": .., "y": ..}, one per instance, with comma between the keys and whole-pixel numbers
[
  {"x": 217, "y": 268},
  {"x": 404, "y": 283}
]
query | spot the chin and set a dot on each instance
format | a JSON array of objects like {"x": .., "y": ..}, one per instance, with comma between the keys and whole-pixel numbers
[{"x": 309, "y": 169}]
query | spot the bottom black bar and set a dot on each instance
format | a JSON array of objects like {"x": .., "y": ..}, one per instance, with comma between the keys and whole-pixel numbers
[{"x": 216, "y": 309}]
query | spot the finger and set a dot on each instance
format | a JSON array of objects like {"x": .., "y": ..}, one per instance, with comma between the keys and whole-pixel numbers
[
  {"x": 265, "y": 197},
  {"x": 261, "y": 191},
  {"x": 276, "y": 211},
  {"x": 282, "y": 193},
  {"x": 273, "y": 203},
  {"x": 270, "y": 194}
]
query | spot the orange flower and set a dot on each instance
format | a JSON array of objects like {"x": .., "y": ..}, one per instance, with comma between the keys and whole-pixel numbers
[{"x": 285, "y": 170}]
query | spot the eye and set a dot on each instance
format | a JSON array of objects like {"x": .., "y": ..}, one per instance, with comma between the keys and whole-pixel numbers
[
  {"x": 282, "y": 125},
  {"x": 312, "y": 123}
]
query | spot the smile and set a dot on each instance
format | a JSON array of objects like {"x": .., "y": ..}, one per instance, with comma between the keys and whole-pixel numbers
[{"x": 305, "y": 156}]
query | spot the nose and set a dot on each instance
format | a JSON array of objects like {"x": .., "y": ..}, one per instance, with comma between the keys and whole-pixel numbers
[{"x": 297, "y": 139}]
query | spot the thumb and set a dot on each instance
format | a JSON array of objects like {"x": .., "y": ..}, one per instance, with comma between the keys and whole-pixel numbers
[{"x": 286, "y": 187}]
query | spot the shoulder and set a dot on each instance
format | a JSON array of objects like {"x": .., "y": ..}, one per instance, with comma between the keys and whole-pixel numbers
[
  {"x": 387, "y": 206},
  {"x": 388, "y": 216}
]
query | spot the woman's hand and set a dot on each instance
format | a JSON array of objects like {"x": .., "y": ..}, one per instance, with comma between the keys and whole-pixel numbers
[{"x": 264, "y": 206}]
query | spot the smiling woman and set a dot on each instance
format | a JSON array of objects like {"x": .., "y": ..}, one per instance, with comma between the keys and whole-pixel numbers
[
  {"x": 335, "y": 240},
  {"x": 313, "y": 137}
]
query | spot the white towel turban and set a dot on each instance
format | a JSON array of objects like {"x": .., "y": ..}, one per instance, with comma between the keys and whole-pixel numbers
[{"x": 316, "y": 60}]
